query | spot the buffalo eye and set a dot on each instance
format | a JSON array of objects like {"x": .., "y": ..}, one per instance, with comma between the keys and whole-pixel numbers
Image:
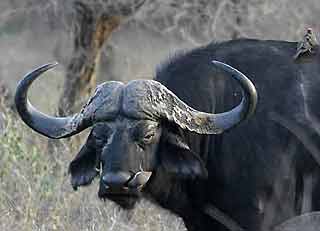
[
  {"x": 144, "y": 132},
  {"x": 147, "y": 139}
]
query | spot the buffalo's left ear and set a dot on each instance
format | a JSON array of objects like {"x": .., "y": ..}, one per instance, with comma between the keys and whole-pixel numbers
[
  {"x": 177, "y": 159},
  {"x": 83, "y": 167}
]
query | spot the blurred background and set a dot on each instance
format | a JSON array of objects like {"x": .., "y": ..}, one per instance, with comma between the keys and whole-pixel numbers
[{"x": 96, "y": 41}]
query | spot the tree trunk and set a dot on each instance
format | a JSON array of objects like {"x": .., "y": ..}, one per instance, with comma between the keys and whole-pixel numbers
[
  {"x": 91, "y": 31},
  {"x": 238, "y": 20},
  {"x": 94, "y": 24}
]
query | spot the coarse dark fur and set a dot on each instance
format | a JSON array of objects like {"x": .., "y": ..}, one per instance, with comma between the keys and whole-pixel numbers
[{"x": 258, "y": 173}]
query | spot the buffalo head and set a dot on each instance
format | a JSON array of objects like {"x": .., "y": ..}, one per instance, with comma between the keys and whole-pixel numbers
[{"x": 129, "y": 128}]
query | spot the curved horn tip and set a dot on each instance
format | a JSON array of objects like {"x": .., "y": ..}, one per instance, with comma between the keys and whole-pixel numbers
[
  {"x": 37, "y": 71},
  {"x": 221, "y": 64},
  {"x": 31, "y": 76},
  {"x": 48, "y": 66},
  {"x": 250, "y": 86},
  {"x": 49, "y": 126},
  {"x": 246, "y": 84}
]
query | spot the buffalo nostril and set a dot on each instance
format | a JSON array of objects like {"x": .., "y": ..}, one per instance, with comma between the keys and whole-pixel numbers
[{"x": 115, "y": 179}]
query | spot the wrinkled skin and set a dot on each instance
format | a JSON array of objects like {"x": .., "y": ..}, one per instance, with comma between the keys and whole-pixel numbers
[
  {"x": 126, "y": 146},
  {"x": 121, "y": 146}
]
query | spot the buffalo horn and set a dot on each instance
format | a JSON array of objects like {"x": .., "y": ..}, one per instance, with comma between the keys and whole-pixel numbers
[
  {"x": 47, "y": 125},
  {"x": 207, "y": 123},
  {"x": 156, "y": 101}
]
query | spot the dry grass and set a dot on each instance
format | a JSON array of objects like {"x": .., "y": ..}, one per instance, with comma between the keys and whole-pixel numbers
[{"x": 35, "y": 193}]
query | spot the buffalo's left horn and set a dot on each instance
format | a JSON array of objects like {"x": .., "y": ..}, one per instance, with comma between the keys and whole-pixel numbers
[
  {"x": 53, "y": 127},
  {"x": 207, "y": 123},
  {"x": 158, "y": 102}
]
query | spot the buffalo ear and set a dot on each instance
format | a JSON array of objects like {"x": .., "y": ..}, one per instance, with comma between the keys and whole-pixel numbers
[
  {"x": 177, "y": 159},
  {"x": 83, "y": 167}
]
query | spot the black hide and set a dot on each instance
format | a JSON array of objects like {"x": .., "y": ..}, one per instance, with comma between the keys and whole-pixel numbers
[{"x": 257, "y": 172}]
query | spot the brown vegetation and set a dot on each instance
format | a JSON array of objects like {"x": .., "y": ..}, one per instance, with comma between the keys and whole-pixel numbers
[{"x": 35, "y": 193}]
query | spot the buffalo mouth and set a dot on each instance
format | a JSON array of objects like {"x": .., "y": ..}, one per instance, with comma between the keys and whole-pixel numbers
[{"x": 124, "y": 198}]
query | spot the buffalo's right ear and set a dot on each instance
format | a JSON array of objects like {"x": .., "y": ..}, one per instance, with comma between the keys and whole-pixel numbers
[{"x": 83, "y": 167}]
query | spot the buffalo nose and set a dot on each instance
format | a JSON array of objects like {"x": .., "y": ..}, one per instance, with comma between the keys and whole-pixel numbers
[{"x": 116, "y": 179}]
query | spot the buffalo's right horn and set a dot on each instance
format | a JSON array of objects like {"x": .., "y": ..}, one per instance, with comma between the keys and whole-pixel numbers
[
  {"x": 102, "y": 106},
  {"x": 47, "y": 125}
]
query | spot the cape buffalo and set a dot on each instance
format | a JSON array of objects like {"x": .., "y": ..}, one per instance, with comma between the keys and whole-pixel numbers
[{"x": 158, "y": 137}]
